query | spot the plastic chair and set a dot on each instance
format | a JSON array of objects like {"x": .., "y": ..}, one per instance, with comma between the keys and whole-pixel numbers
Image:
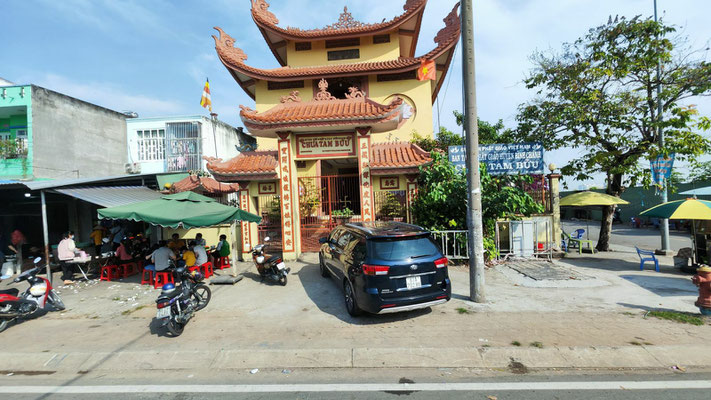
[
  {"x": 148, "y": 281},
  {"x": 224, "y": 263},
  {"x": 162, "y": 278},
  {"x": 647, "y": 256},
  {"x": 576, "y": 240},
  {"x": 109, "y": 273},
  {"x": 128, "y": 269},
  {"x": 207, "y": 269}
]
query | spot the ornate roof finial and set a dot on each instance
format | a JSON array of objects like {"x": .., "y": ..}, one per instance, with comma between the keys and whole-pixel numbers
[
  {"x": 323, "y": 94},
  {"x": 261, "y": 8},
  {"x": 225, "y": 47},
  {"x": 345, "y": 21},
  {"x": 354, "y": 93},
  {"x": 293, "y": 97},
  {"x": 452, "y": 23}
]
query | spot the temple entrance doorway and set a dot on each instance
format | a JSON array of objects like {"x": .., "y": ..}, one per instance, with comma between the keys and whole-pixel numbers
[{"x": 324, "y": 202}]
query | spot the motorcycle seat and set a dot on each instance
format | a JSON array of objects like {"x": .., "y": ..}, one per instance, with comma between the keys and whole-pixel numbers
[
  {"x": 273, "y": 259},
  {"x": 11, "y": 292},
  {"x": 173, "y": 294}
]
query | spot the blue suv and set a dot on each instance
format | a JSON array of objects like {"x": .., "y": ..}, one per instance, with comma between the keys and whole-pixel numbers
[{"x": 385, "y": 267}]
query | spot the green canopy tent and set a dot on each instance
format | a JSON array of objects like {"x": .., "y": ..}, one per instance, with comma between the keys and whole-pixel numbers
[{"x": 181, "y": 210}]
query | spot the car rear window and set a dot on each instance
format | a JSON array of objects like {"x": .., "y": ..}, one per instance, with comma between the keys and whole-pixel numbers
[{"x": 403, "y": 248}]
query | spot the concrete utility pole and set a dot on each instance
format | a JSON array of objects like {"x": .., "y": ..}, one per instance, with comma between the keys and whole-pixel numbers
[
  {"x": 666, "y": 248},
  {"x": 474, "y": 218}
]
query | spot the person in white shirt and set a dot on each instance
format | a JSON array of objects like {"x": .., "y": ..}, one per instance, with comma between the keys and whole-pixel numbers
[
  {"x": 161, "y": 257},
  {"x": 200, "y": 254},
  {"x": 66, "y": 251}
]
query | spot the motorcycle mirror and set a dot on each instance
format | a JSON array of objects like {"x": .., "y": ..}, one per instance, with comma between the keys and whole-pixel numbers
[
  {"x": 266, "y": 239},
  {"x": 37, "y": 260}
]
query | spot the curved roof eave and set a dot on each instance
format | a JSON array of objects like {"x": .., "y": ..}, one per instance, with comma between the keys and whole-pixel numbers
[{"x": 266, "y": 21}]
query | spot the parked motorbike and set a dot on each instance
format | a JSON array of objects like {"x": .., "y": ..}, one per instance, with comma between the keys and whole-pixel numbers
[
  {"x": 36, "y": 297},
  {"x": 176, "y": 305},
  {"x": 272, "y": 268}
]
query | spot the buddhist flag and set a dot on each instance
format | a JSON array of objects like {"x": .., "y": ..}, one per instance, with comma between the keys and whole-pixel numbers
[
  {"x": 427, "y": 71},
  {"x": 206, "y": 102}
]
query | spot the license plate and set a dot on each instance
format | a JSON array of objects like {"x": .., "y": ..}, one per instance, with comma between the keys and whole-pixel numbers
[
  {"x": 413, "y": 282},
  {"x": 163, "y": 313},
  {"x": 281, "y": 266}
]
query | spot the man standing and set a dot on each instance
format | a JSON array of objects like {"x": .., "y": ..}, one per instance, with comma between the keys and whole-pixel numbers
[{"x": 18, "y": 239}]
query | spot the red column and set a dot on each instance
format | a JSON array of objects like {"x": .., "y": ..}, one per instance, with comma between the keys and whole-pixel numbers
[
  {"x": 286, "y": 185},
  {"x": 246, "y": 231},
  {"x": 366, "y": 182}
]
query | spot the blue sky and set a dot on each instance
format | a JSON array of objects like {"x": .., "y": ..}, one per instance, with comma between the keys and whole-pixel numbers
[{"x": 153, "y": 56}]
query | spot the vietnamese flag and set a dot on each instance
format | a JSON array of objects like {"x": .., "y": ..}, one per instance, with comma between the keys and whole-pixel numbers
[{"x": 427, "y": 71}]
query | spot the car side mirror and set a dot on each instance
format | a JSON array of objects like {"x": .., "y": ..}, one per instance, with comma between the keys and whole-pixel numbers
[{"x": 323, "y": 240}]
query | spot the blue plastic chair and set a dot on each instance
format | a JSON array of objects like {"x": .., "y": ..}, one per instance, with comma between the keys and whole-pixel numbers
[{"x": 646, "y": 256}]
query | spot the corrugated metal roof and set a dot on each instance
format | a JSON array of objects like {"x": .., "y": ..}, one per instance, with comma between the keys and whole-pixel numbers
[{"x": 111, "y": 196}]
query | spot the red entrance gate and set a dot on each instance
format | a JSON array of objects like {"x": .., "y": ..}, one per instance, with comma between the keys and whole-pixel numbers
[{"x": 319, "y": 198}]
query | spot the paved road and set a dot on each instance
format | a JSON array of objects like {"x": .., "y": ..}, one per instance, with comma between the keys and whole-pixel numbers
[
  {"x": 625, "y": 235},
  {"x": 583, "y": 387}
]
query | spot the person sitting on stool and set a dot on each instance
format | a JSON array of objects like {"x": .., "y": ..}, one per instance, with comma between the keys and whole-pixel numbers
[{"x": 66, "y": 251}]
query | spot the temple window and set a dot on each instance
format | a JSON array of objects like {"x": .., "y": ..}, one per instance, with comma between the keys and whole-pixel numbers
[
  {"x": 338, "y": 87},
  {"x": 378, "y": 39},
  {"x": 285, "y": 85},
  {"x": 343, "y": 54},
  {"x": 302, "y": 46}
]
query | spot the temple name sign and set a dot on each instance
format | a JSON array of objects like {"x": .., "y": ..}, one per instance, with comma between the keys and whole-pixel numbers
[{"x": 333, "y": 145}]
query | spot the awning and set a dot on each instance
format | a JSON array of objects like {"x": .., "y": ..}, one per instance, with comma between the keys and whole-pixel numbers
[{"x": 111, "y": 196}]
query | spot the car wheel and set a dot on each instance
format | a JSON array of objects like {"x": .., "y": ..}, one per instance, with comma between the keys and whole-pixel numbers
[
  {"x": 322, "y": 267},
  {"x": 349, "y": 297}
]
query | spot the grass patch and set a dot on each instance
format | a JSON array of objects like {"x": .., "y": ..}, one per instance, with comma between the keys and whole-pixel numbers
[
  {"x": 536, "y": 344},
  {"x": 677, "y": 317},
  {"x": 116, "y": 299},
  {"x": 486, "y": 346},
  {"x": 629, "y": 314},
  {"x": 462, "y": 310},
  {"x": 516, "y": 343},
  {"x": 635, "y": 343}
]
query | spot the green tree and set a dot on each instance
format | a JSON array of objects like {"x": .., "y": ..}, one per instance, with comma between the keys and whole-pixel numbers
[
  {"x": 488, "y": 134},
  {"x": 441, "y": 202},
  {"x": 598, "y": 95}
]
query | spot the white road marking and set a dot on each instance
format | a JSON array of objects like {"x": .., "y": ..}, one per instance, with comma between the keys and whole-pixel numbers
[{"x": 420, "y": 387}]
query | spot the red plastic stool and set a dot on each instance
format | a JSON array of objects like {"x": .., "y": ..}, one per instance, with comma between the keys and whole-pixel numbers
[
  {"x": 128, "y": 269},
  {"x": 163, "y": 278},
  {"x": 224, "y": 262},
  {"x": 194, "y": 268},
  {"x": 109, "y": 272},
  {"x": 207, "y": 269},
  {"x": 148, "y": 281}
]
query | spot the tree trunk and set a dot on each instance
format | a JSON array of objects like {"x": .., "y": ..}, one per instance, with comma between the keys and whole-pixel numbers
[{"x": 614, "y": 188}]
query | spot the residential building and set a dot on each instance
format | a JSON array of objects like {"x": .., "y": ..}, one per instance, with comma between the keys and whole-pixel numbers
[
  {"x": 48, "y": 135},
  {"x": 333, "y": 122},
  {"x": 178, "y": 144}
]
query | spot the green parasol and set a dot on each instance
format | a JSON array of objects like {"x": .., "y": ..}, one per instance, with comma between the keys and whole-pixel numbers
[{"x": 180, "y": 210}]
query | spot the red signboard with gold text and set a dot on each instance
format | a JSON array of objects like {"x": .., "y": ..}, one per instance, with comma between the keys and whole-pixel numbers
[{"x": 325, "y": 145}]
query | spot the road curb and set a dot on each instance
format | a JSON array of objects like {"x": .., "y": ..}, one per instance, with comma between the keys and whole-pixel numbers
[{"x": 506, "y": 358}]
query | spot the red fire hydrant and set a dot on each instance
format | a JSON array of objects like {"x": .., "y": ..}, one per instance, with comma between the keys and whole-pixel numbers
[{"x": 702, "y": 279}]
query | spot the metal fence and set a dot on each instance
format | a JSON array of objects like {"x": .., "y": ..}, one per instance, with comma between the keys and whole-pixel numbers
[
  {"x": 183, "y": 147},
  {"x": 453, "y": 244}
]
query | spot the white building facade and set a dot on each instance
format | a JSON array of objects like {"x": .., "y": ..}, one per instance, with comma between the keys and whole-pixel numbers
[{"x": 178, "y": 144}]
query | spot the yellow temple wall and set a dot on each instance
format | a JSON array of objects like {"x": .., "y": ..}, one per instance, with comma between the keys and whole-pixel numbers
[
  {"x": 419, "y": 93},
  {"x": 318, "y": 55},
  {"x": 267, "y": 99}
]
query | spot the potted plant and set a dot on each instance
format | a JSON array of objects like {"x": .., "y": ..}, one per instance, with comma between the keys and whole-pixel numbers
[
  {"x": 342, "y": 216},
  {"x": 391, "y": 208}
]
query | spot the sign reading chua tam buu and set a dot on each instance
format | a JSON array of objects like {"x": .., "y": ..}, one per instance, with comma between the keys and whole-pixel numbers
[
  {"x": 340, "y": 144},
  {"x": 504, "y": 159}
]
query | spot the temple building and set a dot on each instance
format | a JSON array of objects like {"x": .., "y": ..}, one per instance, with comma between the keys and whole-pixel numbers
[{"x": 333, "y": 123}]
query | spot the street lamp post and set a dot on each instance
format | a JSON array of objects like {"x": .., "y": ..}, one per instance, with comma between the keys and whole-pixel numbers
[{"x": 665, "y": 222}]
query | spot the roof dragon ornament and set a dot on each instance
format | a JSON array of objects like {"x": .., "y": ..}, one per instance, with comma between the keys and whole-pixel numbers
[
  {"x": 225, "y": 48},
  {"x": 323, "y": 94},
  {"x": 261, "y": 8},
  {"x": 451, "y": 26}
]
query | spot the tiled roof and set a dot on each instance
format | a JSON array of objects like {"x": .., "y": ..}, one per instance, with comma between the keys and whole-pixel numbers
[
  {"x": 346, "y": 25},
  {"x": 253, "y": 164},
  {"x": 387, "y": 158},
  {"x": 234, "y": 60},
  {"x": 356, "y": 111},
  {"x": 208, "y": 184},
  {"x": 398, "y": 155}
]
